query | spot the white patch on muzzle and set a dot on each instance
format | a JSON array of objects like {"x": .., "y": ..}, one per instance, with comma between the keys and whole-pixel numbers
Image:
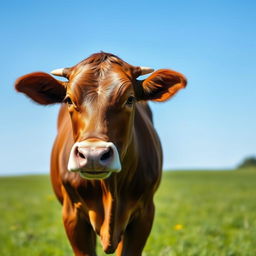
[{"x": 73, "y": 165}]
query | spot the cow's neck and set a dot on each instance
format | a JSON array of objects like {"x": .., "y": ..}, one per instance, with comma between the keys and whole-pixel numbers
[
  {"x": 108, "y": 231},
  {"x": 117, "y": 209}
]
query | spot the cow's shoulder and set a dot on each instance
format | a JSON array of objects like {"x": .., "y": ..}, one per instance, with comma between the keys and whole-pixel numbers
[{"x": 149, "y": 150}]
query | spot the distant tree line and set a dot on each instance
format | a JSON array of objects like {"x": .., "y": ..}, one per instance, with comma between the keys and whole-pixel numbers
[{"x": 248, "y": 162}]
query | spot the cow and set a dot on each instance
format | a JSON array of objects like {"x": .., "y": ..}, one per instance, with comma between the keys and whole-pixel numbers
[{"x": 106, "y": 161}]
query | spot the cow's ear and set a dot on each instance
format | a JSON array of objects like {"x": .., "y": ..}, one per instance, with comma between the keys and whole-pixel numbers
[
  {"x": 160, "y": 86},
  {"x": 41, "y": 87}
]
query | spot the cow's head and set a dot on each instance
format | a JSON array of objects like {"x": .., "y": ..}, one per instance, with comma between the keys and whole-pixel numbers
[{"x": 100, "y": 94}]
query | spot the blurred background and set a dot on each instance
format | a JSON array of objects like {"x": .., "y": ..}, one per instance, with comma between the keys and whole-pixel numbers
[{"x": 209, "y": 125}]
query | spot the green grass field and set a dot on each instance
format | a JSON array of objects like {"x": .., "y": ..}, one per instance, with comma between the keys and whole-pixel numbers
[{"x": 198, "y": 213}]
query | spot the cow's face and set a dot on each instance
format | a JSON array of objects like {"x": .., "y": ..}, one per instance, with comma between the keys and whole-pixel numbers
[
  {"x": 100, "y": 94},
  {"x": 101, "y": 105}
]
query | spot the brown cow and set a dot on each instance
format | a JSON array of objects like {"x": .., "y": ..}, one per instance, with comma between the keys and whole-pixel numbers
[{"x": 106, "y": 161}]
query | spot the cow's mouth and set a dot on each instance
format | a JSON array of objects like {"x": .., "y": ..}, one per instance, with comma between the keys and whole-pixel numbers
[
  {"x": 94, "y": 159},
  {"x": 95, "y": 175}
]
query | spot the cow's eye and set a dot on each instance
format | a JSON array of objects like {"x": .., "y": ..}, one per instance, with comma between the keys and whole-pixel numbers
[
  {"x": 68, "y": 101},
  {"x": 130, "y": 101}
]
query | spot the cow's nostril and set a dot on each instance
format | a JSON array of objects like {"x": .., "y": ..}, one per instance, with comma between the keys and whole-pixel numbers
[
  {"x": 107, "y": 155},
  {"x": 81, "y": 155}
]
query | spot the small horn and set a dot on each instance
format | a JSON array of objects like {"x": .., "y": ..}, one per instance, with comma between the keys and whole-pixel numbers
[
  {"x": 146, "y": 70},
  {"x": 58, "y": 72}
]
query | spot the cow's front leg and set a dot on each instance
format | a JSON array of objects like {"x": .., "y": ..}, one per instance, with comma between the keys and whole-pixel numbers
[
  {"x": 79, "y": 231},
  {"x": 136, "y": 234}
]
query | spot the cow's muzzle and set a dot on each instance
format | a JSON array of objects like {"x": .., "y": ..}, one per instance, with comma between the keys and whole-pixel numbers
[{"x": 94, "y": 160}]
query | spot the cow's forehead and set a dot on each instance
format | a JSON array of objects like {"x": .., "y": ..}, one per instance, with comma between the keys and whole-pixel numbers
[{"x": 105, "y": 81}]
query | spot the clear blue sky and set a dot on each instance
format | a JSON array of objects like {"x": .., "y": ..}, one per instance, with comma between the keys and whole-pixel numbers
[{"x": 211, "y": 124}]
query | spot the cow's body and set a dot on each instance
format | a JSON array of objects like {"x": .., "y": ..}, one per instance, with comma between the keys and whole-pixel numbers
[
  {"x": 106, "y": 160},
  {"x": 110, "y": 205}
]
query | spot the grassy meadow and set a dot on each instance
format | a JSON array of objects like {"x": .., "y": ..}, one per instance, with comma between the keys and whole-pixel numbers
[{"x": 197, "y": 213}]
